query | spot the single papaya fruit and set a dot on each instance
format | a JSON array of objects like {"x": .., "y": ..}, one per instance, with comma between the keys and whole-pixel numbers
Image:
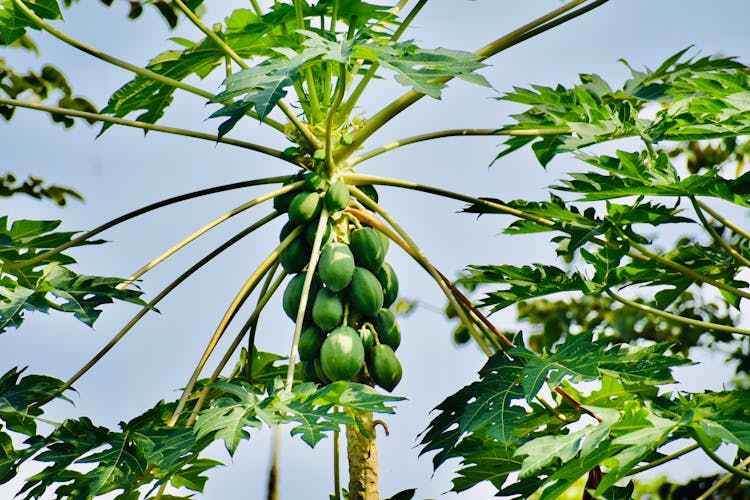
[
  {"x": 336, "y": 266},
  {"x": 322, "y": 377},
  {"x": 367, "y": 248},
  {"x": 281, "y": 202},
  {"x": 461, "y": 334},
  {"x": 384, "y": 367},
  {"x": 342, "y": 354},
  {"x": 389, "y": 281},
  {"x": 295, "y": 257},
  {"x": 305, "y": 206},
  {"x": 307, "y": 371},
  {"x": 310, "y": 340},
  {"x": 293, "y": 295},
  {"x": 286, "y": 230},
  {"x": 367, "y": 337},
  {"x": 337, "y": 197},
  {"x": 365, "y": 293},
  {"x": 314, "y": 182},
  {"x": 389, "y": 332},
  {"x": 327, "y": 311}
]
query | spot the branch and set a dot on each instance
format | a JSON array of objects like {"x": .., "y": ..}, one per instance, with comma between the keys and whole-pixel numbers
[
  {"x": 525, "y": 32},
  {"x": 146, "y": 73},
  {"x": 676, "y": 317},
  {"x": 140, "y": 211},
  {"x": 741, "y": 259},
  {"x": 719, "y": 461},
  {"x": 147, "y": 126},
  {"x": 453, "y": 133}
]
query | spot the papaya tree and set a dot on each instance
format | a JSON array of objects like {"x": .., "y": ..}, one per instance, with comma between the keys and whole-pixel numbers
[{"x": 577, "y": 407}]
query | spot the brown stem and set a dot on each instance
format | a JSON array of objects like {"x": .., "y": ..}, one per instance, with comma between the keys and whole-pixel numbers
[
  {"x": 363, "y": 458},
  {"x": 573, "y": 401}
]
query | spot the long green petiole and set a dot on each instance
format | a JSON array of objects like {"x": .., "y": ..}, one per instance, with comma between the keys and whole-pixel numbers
[
  {"x": 231, "y": 311},
  {"x": 419, "y": 256},
  {"x": 140, "y": 211},
  {"x": 726, "y": 477},
  {"x": 741, "y": 259},
  {"x": 147, "y": 126},
  {"x": 152, "y": 304},
  {"x": 340, "y": 92},
  {"x": 351, "y": 162},
  {"x": 733, "y": 227},
  {"x": 242, "y": 64},
  {"x": 719, "y": 461},
  {"x": 663, "y": 460},
  {"x": 533, "y": 28},
  {"x": 311, "y": 267},
  {"x": 675, "y": 317},
  {"x": 203, "y": 230},
  {"x": 125, "y": 65},
  {"x": 251, "y": 321},
  {"x": 254, "y": 325}
]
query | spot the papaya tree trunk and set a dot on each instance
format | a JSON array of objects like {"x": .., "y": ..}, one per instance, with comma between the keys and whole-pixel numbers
[{"x": 363, "y": 458}]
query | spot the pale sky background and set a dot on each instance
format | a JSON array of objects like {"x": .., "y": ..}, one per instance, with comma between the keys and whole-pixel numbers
[{"x": 122, "y": 171}]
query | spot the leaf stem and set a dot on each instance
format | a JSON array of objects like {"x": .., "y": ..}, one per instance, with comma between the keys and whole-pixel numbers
[
  {"x": 254, "y": 325},
  {"x": 140, "y": 211},
  {"x": 716, "y": 458},
  {"x": 713, "y": 213},
  {"x": 675, "y": 317},
  {"x": 741, "y": 259},
  {"x": 251, "y": 321},
  {"x": 663, "y": 460},
  {"x": 152, "y": 304},
  {"x": 411, "y": 248},
  {"x": 684, "y": 270},
  {"x": 726, "y": 477},
  {"x": 311, "y": 267},
  {"x": 146, "y": 126},
  {"x": 231, "y": 311},
  {"x": 336, "y": 465},
  {"x": 525, "y": 32},
  {"x": 203, "y": 230},
  {"x": 242, "y": 64},
  {"x": 351, "y": 102},
  {"x": 146, "y": 73},
  {"x": 453, "y": 133},
  {"x": 340, "y": 92}
]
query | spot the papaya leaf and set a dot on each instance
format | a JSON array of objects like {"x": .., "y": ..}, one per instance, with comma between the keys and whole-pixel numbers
[
  {"x": 489, "y": 463},
  {"x": 13, "y": 23},
  {"x": 17, "y": 394}
]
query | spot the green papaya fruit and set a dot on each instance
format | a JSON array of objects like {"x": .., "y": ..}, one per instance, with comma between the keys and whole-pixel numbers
[
  {"x": 367, "y": 247},
  {"x": 310, "y": 340},
  {"x": 389, "y": 332},
  {"x": 307, "y": 371},
  {"x": 337, "y": 197},
  {"x": 286, "y": 230},
  {"x": 367, "y": 337},
  {"x": 305, "y": 206},
  {"x": 342, "y": 354},
  {"x": 384, "y": 367},
  {"x": 322, "y": 377},
  {"x": 295, "y": 257},
  {"x": 365, "y": 293},
  {"x": 312, "y": 227},
  {"x": 293, "y": 295},
  {"x": 389, "y": 281},
  {"x": 461, "y": 334},
  {"x": 336, "y": 266},
  {"x": 314, "y": 182},
  {"x": 281, "y": 202},
  {"x": 327, "y": 311}
]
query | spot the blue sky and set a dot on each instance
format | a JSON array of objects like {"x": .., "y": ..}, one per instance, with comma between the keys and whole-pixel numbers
[{"x": 124, "y": 170}]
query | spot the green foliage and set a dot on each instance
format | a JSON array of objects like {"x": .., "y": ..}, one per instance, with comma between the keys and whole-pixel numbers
[
  {"x": 13, "y": 23},
  {"x": 46, "y": 283},
  {"x": 35, "y": 187}
]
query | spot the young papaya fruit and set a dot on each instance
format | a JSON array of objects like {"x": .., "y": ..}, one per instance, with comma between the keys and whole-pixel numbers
[
  {"x": 305, "y": 206},
  {"x": 365, "y": 293},
  {"x": 367, "y": 247},
  {"x": 310, "y": 340},
  {"x": 336, "y": 266},
  {"x": 389, "y": 332},
  {"x": 367, "y": 337},
  {"x": 314, "y": 182},
  {"x": 342, "y": 354},
  {"x": 293, "y": 295},
  {"x": 295, "y": 257},
  {"x": 337, "y": 197},
  {"x": 281, "y": 202},
  {"x": 461, "y": 334},
  {"x": 384, "y": 367},
  {"x": 307, "y": 371},
  {"x": 389, "y": 281},
  {"x": 322, "y": 377},
  {"x": 327, "y": 311}
]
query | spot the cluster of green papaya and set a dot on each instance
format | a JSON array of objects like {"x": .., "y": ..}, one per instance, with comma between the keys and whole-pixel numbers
[{"x": 349, "y": 332}]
